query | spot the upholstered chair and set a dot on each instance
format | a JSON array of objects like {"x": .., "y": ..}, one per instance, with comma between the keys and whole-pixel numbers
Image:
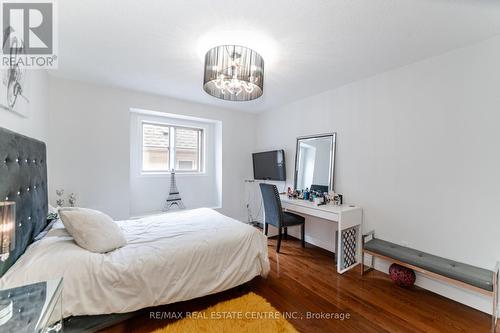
[{"x": 275, "y": 216}]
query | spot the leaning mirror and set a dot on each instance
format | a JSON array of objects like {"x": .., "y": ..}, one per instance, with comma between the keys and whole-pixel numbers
[{"x": 315, "y": 162}]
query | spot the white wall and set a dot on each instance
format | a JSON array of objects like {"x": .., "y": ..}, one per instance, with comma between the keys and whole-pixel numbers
[
  {"x": 418, "y": 149},
  {"x": 36, "y": 124},
  {"x": 90, "y": 145}
]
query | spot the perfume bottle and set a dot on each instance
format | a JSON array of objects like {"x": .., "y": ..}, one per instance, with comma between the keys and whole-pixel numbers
[{"x": 306, "y": 194}]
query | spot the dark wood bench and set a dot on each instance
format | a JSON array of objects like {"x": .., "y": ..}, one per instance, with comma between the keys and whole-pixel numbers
[{"x": 477, "y": 279}]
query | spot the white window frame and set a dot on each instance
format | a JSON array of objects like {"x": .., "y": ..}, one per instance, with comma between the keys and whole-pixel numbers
[{"x": 172, "y": 128}]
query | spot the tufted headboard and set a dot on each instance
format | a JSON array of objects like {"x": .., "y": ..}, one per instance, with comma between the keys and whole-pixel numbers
[{"x": 23, "y": 179}]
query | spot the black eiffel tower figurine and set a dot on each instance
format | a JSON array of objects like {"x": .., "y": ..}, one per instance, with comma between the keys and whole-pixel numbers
[{"x": 174, "y": 198}]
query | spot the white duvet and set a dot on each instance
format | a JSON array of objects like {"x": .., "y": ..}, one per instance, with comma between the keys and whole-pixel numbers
[{"x": 168, "y": 258}]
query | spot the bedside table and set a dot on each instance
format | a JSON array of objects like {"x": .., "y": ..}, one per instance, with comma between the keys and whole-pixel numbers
[{"x": 36, "y": 308}]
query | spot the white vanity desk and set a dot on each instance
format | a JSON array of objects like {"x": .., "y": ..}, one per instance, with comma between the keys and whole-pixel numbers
[{"x": 348, "y": 219}]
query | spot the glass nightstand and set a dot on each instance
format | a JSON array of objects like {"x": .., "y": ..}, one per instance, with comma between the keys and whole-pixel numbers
[{"x": 36, "y": 308}]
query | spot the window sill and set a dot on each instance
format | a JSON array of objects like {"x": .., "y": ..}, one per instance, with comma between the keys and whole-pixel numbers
[
  {"x": 168, "y": 174},
  {"x": 159, "y": 212}
]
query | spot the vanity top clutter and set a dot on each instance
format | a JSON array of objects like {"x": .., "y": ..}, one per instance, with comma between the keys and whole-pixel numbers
[{"x": 318, "y": 197}]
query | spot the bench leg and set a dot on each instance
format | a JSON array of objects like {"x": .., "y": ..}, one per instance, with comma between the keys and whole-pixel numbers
[
  {"x": 370, "y": 268},
  {"x": 494, "y": 314},
  {"x": 363, "y": 237},
  {"x": 362, "y": 263},
  {"x": 495, "y": 303}
]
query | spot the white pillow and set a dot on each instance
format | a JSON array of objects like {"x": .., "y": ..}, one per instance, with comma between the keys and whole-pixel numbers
[{"x": 92, "y": 230}]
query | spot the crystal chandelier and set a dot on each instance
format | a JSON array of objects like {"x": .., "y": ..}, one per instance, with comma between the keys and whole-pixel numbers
[{"x": 233, "y": 73}]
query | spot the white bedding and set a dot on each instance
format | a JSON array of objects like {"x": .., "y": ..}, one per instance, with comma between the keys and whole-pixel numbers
[{"x": 168, "y": 258}]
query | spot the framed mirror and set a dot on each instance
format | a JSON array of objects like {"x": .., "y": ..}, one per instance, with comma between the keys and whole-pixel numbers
[{"x": 315, "y": 162}]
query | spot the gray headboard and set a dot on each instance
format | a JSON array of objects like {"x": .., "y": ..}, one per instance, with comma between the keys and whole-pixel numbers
[{"x": 23, "y": 179}]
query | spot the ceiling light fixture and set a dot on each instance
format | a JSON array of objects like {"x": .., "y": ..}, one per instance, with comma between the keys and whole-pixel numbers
[{"x": 234, "y": 73}]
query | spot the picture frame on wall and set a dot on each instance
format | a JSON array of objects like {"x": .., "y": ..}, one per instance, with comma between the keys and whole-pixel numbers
[
  {"x": 14, "y": 91},
  {"x": 13, "y": 80}
]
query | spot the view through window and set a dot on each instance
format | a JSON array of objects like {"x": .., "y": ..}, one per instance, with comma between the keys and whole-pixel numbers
[{"x": 166, "y": 147}]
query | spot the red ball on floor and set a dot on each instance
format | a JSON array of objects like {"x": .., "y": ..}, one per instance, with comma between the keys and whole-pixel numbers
[{"x": 402, "y": 276}]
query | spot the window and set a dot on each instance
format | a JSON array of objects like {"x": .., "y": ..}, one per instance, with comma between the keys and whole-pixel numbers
[{"x": 166, "y": 147}]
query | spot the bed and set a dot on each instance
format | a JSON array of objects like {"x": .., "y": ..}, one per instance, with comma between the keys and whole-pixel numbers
[{"x": 168, "y": 257}]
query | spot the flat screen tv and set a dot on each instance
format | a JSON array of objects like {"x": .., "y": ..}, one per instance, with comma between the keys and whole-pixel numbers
[{"x": 269, "y": 165}]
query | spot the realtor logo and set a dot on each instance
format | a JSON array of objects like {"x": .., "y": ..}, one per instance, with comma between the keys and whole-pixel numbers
[{"x": 29, "y": 33}]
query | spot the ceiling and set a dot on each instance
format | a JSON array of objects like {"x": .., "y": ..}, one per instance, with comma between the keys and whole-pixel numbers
[{"x": 308, "y": 46}]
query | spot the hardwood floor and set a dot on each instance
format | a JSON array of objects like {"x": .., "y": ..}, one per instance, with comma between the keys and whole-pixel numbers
[{"x": 305, "y": 280}]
